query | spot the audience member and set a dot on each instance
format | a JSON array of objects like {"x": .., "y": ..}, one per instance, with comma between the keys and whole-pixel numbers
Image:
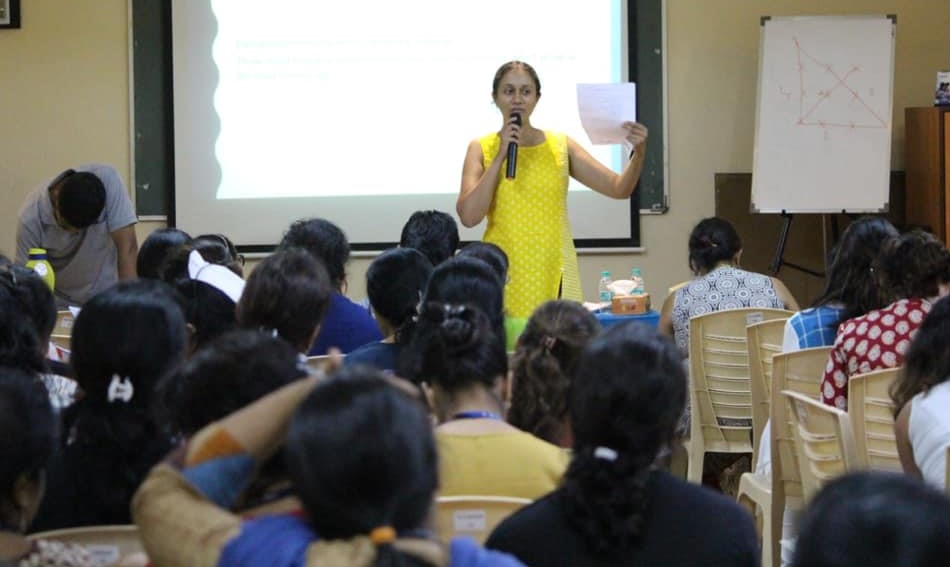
[
  {"x": 497, "y": 260},
  {"x": 543, "y": 365},
  {"x": 124, "y": 341},
  {"x": 850, "y": 291},
  {"x": 287, "y": 294},
  {"x": 27, "y": 429},
  {"x": 210, "y": 294},
  {"x": 469, "y": 281},
  {"x": 347, "y": 325},
  {"x": 362, "y": 459},
  {"x": 719, "y": 283},
  {"x": 874, "y": 519},
  {"x": 455, "y": 351},
  {"x": 395, "y": 281},
  {"x": 84, "y": 220},
  {"x": 434, "y": 233},
  {"x": 913, "y": 271},
  {"x": 616, "y": 506},
  {"x": 921, "y": 396},
  {"x": 218, "y": 249},
  {"x": 156, "y": 249}
]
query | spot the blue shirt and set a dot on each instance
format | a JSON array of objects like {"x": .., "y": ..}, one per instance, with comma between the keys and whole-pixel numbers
[
  {"x": 346, "y": 326},
  {"x": 814, "y": 327},
  {"x": 383, "y": 356}
]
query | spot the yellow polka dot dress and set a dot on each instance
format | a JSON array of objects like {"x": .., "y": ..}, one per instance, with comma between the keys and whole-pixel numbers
[{"x": 528, "y": 220}]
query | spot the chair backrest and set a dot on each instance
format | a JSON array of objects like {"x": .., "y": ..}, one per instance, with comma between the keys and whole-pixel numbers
[
  {"x": 473, "y": 516},
  {"x": 63, "y": 329},
  {"x": 824, "y": 441},
  {"x": 764, "y": 341},
  {"x": 720, "y": 391},
  {"x": 798, "y": 371},
  {"x": 872, "y": 420},
  {"x": 107, "y": 544}
]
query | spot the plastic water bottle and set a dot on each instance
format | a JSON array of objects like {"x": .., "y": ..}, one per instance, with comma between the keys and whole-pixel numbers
[
  {"x": 604, "y": 293},
  {"x": 39, "y": 264},
  {"x": 636, "y": 276}
]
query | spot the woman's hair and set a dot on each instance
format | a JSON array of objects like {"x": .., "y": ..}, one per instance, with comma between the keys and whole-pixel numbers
[
  {"x": 491, "y": 254},
  {"x": 225, "y": 375},
  {"x": 434, "y": 233},
  {"x": 713, "y": 240},
  {"x": 849, "y": 279},
  {"x": 453, "y": 347},
  {"x": 155, "y": 250},
  {"x": 349, "y": 486},
  {"x": 469, "y": 281},
  {"x": 125, "y": 341},
  {"x": 325, "y": 241},
  {"x": 287, "y": 293},
  {"x": 912, "y": 265},
  {"x": 927, "y": 361},
  {"x": 543, "y": 365},
  {"x": 175, "y": 267},
  {"x": 503, "y": 70},
  {"x": 219, "y": 249},
  {"x": 628, "y": 395},
  {"x": 207, "y": 309},
  {"x": 27, "y": 318},
  {"x": 395, "y": 281},
  {"x": 874, "y": 519},
  {"x": 27, "y": 427}
]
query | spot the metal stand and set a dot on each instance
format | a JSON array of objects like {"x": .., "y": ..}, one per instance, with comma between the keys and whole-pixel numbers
[{"x": 778, "y": 261}]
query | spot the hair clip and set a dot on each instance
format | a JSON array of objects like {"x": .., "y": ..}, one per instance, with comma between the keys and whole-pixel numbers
[
  {"x": 452, "y": 310},
  {"x": 120, "y": 389},
  {"x": 605, "y": 453},
  {"x": 548, "y": 342}
]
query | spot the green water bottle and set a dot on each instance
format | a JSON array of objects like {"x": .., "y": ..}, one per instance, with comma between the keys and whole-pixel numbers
[{"x": 39, "y": 264}]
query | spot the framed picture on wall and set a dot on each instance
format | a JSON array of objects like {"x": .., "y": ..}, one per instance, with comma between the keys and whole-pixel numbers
[{"x": 9, "y": 14}]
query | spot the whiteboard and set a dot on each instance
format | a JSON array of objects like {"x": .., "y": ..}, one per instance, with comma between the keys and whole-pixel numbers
[{"x": 823, "y": 116}]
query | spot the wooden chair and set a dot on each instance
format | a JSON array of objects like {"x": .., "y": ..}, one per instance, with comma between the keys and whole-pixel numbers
[
  {"x": 800, "y": 371},
  {"x": 872, "y": 420},
  {"x": 824, "y": 441},
  {"x": 764, "y": 340},
  {"x": 720, "y": 394},
  {"x": 109, "y": 545},
  {"x": 473, "y": 516}
]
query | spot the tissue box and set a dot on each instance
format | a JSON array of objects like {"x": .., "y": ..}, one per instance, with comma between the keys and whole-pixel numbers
[{"x": 635, "y": 304}]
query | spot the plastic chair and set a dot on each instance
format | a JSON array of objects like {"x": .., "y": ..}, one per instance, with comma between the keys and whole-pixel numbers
[
  {"x": 720, "y": 394},
  {"x": 108, "y": 545},
  {"x": 765, "y": 341},
  {"x": 63, "y": 330},
  {"x": 800, "y": 371},
  {"x": 824, "y": 441},
  {"x": 872, "y": 420},
  {"x": 473, "y": 516}
]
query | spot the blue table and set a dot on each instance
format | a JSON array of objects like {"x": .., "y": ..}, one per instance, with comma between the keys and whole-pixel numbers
[{"x": 606, "y": 318}]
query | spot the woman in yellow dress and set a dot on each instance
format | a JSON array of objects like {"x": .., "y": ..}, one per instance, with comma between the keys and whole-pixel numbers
[{"x": 527, "y": 215}]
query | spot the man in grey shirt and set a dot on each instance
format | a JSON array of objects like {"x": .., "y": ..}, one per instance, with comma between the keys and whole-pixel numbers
[{"x": 85, "y": 221}]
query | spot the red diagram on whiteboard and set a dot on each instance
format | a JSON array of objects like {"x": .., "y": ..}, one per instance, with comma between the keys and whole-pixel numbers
[{"x": 827, "y": 99}]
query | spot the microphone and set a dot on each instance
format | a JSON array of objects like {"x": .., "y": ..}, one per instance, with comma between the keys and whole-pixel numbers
[{"x": 513, "y": 149}]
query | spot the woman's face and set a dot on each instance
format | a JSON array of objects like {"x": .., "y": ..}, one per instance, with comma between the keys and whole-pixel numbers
[{"x": 516, "y": 93}]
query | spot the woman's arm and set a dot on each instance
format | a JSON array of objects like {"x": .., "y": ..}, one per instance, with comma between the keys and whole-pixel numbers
[
  {"x": 904, "y": 449},
  {"x": 666, "y": 316},
  {"x": 478, "y": 183},
  {"x": 599, "y": 177},
  {"x": 786, "y": 296}
]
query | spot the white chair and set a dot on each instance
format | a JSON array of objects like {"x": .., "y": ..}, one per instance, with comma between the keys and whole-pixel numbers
[
  {"x": 473, "y": 516},
  {"x": 872, "y": 419}
]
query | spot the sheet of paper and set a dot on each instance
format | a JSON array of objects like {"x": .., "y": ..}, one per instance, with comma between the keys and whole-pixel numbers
[{"x": 604, "y": 107}]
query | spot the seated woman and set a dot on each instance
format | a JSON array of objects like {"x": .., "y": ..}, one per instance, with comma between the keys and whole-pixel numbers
[
  {"x": 395, "y": 281},
  {"x": 542, "y": 368},
  {"x": 125, "y": 340},
  {"x": 27, "y": 429},
  {"x": 209, "y": 295},
  {"x": 456, "y": 350},
  {"x": 714, "y": 252},
  {"x": 913, "y": 271},
  {"x": 849, "y": 289},
  {"x": 921, "y": 398},
  {"x": 156, "y": 249},
  {"x": 362, "y": 458},
  {"x": 495, "y": 257},
  {"x": 616, "y": 506}
]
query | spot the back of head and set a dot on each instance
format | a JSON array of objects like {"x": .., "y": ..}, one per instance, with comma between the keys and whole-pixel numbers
[
  {"x": 543, "y": 365},
  {"x": 82, "y": 197},
  {"x": 175, "y": 266},
  {"x": 912, "y": 265},
  {"x": 287, "y": 293},
  {"x": 927, "y": 360},
  {"x": 350, "y": 486},
  {"x": 454, "y": 348},
  {"x": 155, "y": 250},
  {"x": 874, "y": 519},
  {"x": 395, "y": 281},
  {"x": 208, "y": 311},
  {"x": 491, "y": 254},
  {"x": 469, "y": 281},
  {"x": 628, "y": 395},
  {"x": 849, "y": 278},
  {"x": 27, "y": 318},
  {"x": 325, "y": 241},
  {"x": 433, "y": 233},
  {"x": 227, "y": 374},
  {"x": 712, "y": 241}
]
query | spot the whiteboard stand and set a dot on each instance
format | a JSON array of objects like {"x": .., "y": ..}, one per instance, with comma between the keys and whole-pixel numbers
[{"x": 779, "y": 259}]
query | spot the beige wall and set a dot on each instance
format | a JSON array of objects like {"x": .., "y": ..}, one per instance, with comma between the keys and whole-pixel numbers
[{"x": 65, "y": 78}]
